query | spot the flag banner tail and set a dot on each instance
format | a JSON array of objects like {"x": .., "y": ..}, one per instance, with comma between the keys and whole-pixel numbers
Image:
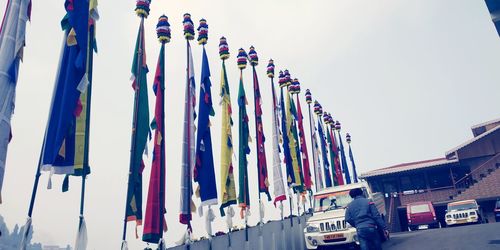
[
  {"x": 204, "y": 173},
  {"x": 62, "y": 135},
  {"x": 244, "y": 149},
  {"x": 354, "y": 172},
  {"x": 303, "y": 148},
  {"x": 188, "y": 147},
  {"x": 27, "y": 231},
  {"x": 155, "y": 205},
  {"x": 228, "y": 189},
  {"x": 290, "y": 175},
  {"x": 324, "y": 154},
  {"x": 81, "y": 237},
  {"x": 293, "y": 144},
  {"x": 332, "y": 157},
  {"x": 494, "y": 9},
  {"x": 345, "y": 168},
  {"x": 209, "y": 218},
  {"x": 140, "y": 131},
  {"x": 229, "y": 218},
  {"x": 279, "y": 186},
  {"x": 259, "y": 130},
  {"x": 336, "y": 161},
  {"x": 11, "y": 51},
  {"x": 124, "y": 245}
]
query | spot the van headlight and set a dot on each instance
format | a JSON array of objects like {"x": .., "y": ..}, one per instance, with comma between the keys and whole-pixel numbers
[
  {"x": 448, "y": 216},
  {"x": 472, "y": 213},
  {"x": 312, "y": 228}
]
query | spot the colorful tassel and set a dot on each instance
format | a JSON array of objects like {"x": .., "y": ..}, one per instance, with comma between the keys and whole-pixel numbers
[
  {"x": 188, "y": 27},
  {"x": 223, "y": 49},
  {"x": 254, "y": 59},
  {"x": 317, "y": 108},
  {"x": 270, "y": 69},
  {"x": 288, "y": 79},
  {"x": 308, "y": 96},
  {"x": 203, "y": 32},
  {"x": 282, "y": 81},
  {"x": 242, "y": 59},
  {"x": 142, "y": 8},
  {"x": 348, "y": 138},
  {"x": 163, "y": 30}
]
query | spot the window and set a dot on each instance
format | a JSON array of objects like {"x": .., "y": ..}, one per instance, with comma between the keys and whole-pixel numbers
[{"x": 422, "y": 208}]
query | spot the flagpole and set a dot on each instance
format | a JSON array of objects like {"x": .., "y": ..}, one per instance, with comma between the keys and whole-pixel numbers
[
  {"x": 344, "y": 160},
  {"x": 354, "y": 172},
  {"x": 134, "y": 120},
  {"x": 309, "y": 101}
]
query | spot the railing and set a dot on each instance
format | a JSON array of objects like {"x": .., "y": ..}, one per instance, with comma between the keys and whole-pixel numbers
[{"x": 470, "y": 178}]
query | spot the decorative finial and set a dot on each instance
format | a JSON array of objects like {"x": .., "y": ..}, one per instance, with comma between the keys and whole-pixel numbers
[
  {"x": 142, "y": 8},
  {"x": 188, "y": 27},
  {"x": 270, "y": 69},
  {"x": 223, "y": 49},
  {"x": 242, "y": 59},
  {"x": 293, "y": 87},
  {"x": 330, "y": 119},
  {"x": 348, "y": 138},
  {"x": 325, "y": 118},
  {"x": 308, "y": 96},
  {"x": 282, "y": 81},
  {"x": 203, "y": 32},
  {"x": 337, "y": 126},
  {"x": 317, "y": 108},
  {"x": 288, "y": 79},
  {"x": 254, "y": 59},
  {"x": 163, "y": 29}
]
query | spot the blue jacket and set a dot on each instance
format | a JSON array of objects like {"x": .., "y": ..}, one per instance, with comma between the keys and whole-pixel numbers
[{"x": 362, "y": 213}]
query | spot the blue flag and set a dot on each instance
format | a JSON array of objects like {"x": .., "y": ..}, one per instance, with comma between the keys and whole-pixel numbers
[
  {"x": 324, "y": 153},
  {"x": 494, "y": 8},
  {"x": 204, "y": 167},
  {"x": 59, "y": 147}
]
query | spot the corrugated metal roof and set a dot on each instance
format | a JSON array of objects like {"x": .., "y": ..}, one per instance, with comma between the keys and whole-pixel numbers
[{"x": 409, "y": 166}]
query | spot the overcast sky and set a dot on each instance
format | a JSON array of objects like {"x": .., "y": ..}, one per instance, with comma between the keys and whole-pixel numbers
[{"x": 407, "y": 79}]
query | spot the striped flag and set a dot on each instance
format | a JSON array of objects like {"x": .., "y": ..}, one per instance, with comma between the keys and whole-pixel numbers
[
  {"x": 188, "y": 144},
  {"x": 294, "y": 145},
  {"x": 12, "y": 41},
  {"x": 290, "y": 175},
  {"x": 337, "y": 174}
]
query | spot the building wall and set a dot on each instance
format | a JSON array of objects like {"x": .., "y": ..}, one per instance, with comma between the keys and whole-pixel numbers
[{"x": 434, "y": 196}]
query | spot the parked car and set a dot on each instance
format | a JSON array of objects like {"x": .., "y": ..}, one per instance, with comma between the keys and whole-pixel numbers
[
  {"x": 497, "y": 211},
  {"x": 463, "y": 212},
  {"x": 421, "y": 215}
]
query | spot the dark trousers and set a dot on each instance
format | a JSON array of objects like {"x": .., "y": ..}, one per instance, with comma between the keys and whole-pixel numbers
[{"x": 369, "y": 239}]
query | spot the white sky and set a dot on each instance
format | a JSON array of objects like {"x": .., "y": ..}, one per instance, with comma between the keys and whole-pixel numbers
[{"x": 406, "y": 78}]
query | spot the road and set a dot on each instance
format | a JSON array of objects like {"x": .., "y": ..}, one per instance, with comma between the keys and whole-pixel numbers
[{"x": 470, "y": 237}]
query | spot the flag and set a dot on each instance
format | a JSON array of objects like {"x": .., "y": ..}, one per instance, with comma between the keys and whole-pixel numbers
[
  {"x": 494, "y": 8},
  {"x": 154, "y": 218},
  {"x": 345, "y": 168},
  {"x": 324, "y": 152},
  {"x": 63, "y": 135},
  {"x": 188, "y": 146},
  {"x": 335, "y": 149},
  {"x": 337, "y": 176},
  {"x": 294, "y": 145},
  {"x": 244, "y": 149},
  {"x": 259, "y": 130},
  {"x": 204, "y": 167},
  {"x": 228, "y": 191},
  {"x": 279, "y": 187},
  {"x": 140, "y": 130},
  {"x": 290, "y": 175},
  {"x": 12, "y": 41},
  {"x": 354, "y": 173},
  {"x": 316, "y": 158},
  {"x": 303, "y": 148}
]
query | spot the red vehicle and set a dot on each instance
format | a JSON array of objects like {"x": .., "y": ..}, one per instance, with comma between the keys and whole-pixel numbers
[{"x": 421, "y": 215}]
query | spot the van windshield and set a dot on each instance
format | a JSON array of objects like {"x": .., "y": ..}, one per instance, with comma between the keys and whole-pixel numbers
[
  {"x": 323, "y": 202},
  {"x": 459, "y": 207},
  {"x": 422, "y": 208}
]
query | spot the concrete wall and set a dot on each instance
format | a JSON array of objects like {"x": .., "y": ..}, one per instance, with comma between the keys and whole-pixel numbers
[{"x": 274, "y": 238}]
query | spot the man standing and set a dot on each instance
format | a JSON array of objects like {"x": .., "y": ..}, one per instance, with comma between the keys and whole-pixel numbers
[{"x": 362, "y": 214}]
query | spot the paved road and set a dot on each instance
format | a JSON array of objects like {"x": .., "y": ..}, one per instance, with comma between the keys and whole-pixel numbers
[{"x": 470, "y": 237}]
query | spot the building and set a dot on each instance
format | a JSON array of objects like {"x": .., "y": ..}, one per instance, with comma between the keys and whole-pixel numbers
[{"x": 468, "y": 171}]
